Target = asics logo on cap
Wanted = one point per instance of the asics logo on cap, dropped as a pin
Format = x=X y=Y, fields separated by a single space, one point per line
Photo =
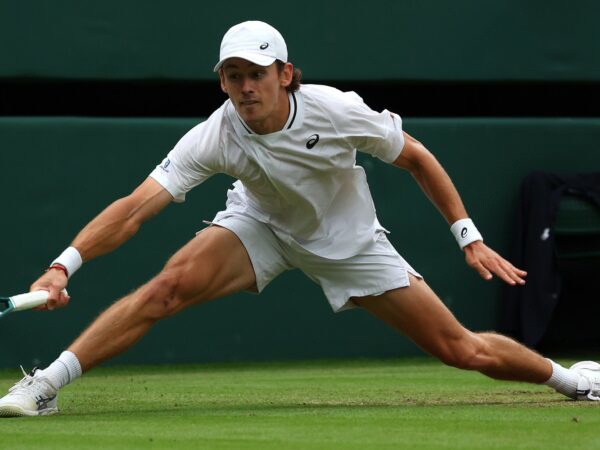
x=312 y=141
x=464 y=232
x=264 y=46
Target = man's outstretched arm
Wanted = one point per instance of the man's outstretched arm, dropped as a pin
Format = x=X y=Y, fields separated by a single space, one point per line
x=107 y=231
x=437 y=185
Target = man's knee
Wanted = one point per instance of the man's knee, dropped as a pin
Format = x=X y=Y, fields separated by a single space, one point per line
x=464 y=352
x=165 y=295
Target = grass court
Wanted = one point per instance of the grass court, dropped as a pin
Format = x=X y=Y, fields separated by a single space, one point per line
x=358 y=404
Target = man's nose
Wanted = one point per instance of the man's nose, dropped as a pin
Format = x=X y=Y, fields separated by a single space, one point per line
x=247 y=85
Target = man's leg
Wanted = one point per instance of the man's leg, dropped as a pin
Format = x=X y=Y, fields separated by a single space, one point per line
x=212 y=265
x=418 y=313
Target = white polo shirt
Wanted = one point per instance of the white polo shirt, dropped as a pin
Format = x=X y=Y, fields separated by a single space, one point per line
x=303 y=180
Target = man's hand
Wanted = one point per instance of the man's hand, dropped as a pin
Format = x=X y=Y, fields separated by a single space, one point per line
x=53 y=281
x=486 y=261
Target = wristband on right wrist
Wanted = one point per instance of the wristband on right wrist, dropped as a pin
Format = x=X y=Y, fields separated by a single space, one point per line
x=465 y=232
x=70 y=259
x=57 y=266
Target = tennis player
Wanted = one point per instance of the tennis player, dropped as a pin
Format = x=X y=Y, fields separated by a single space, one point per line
x=300 y=201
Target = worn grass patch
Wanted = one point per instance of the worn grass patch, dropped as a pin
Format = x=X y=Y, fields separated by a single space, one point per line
x=379 y=404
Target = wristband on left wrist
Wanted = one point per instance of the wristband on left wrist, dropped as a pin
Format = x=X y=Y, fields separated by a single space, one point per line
x=465 y=232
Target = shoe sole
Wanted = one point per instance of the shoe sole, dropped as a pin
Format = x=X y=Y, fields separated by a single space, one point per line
x=17 y=411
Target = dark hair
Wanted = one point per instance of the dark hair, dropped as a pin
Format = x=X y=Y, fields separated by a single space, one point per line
x=296 y=77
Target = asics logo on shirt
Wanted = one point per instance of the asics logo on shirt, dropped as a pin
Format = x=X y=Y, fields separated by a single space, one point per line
x=312 y=141
x=264 y=46
x=165 y=165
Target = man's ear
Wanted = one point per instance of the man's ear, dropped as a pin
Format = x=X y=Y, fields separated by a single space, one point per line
x=222 y=80
x=286 y=75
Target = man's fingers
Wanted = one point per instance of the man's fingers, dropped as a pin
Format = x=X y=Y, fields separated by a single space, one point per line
x=64 y=299
x=506 y=272
x=503 y=270
x=516 y=276
x=485 y=274
x=513 y=273
x=504 y=275
x=55 y=303
x=486 y=261
x=51 y=304
x=58 y=301
x=493 y=265
x=519 y=272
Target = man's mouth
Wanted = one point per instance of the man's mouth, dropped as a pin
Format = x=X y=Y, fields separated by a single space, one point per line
x=248 y=102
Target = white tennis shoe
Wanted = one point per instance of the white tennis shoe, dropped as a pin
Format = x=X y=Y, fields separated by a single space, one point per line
x=588 y=387
x=32 y=396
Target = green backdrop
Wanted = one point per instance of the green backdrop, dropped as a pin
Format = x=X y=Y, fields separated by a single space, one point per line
x=57 y=173
x=461 y=40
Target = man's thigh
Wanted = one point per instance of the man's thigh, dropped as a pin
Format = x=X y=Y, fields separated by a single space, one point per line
x=213 y=264
x=417 y=312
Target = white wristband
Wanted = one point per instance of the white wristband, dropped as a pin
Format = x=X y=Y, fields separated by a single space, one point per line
x=465 y=232
x=71 y=259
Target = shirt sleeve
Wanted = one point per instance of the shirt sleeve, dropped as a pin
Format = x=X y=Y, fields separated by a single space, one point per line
x=376 y=133
x=194 y=159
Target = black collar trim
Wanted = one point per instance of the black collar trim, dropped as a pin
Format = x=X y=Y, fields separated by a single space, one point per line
x=295 y=111
x=243 y=124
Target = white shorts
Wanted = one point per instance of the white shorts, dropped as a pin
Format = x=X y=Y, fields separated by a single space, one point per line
x=377 y=269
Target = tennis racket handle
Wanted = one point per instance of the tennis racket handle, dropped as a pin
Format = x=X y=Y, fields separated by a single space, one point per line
x=30 y=300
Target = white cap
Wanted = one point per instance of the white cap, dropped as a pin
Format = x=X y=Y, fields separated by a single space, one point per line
x=254 y=41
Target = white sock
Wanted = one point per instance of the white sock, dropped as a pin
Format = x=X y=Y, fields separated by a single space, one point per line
x=62 y=371
x=563 y=380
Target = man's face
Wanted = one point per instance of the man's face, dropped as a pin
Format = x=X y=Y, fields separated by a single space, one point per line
x=257 y=92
